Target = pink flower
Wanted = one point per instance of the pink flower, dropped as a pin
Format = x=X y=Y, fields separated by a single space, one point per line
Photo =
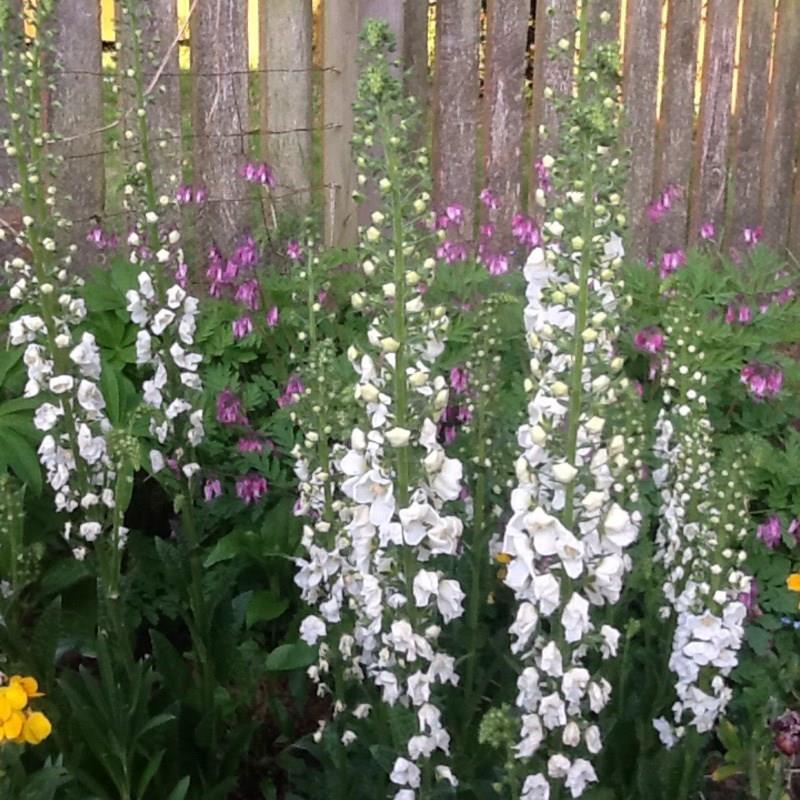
x=671 y=261
x=752 y=236
x=273 y=317
x=242 y=327
x=200 y=195
x=487 y=230
x=212 y=489
x=249 y=294
x=258 y=173
x=291 y=394
x=794 y=529
x=488 y=198
x=229 y=409
x=769 y=531
x=248 y=444
x=459 y=379
x=451 y=252
x=663 y=203
x=649 y=340
x=543 y=176
x=184 y=195
x=749 y=600
x=496 y=263
x=707 y=231
x=246 y=254
x=525 y=230
x=251 y=487
x=294 y=251
x=182 y=275
x=763 y=381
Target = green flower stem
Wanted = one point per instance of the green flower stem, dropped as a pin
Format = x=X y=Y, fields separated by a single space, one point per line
x=311 y=302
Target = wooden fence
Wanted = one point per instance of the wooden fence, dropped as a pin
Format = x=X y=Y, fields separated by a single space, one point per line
x=711 y=89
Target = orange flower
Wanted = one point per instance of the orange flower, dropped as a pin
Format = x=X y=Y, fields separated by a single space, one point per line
x=793 y=582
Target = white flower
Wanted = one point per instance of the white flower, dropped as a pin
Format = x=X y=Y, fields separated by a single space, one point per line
x=536 y=787
x=444 y=773
x=86 y=356
x=89 y=531
x=571 y=735
x=163 y=318
x=574 y=683
x=425 y=584
x=564 y=473
x=405 y=773
x=143 y=347
x=547 y=591
x=175 y=296
x=575 y=618
x=552 y=711
x=419 y=688
x=580 y=775
x=90 y=398
x=46 y=416
x=594 y=742
x=312 y=629
x=558 y=765
x=524 y=626
x=137 y=308
x=157 y=462
x=531 y=736
x=610 y=641
x=447 y=484
x=398 y=437
x=60 y=384
x=619 y=527
x=449 y=599
x=551 y=661
x=444 y=535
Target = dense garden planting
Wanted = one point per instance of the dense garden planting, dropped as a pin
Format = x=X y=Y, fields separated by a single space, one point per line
x=435 y=516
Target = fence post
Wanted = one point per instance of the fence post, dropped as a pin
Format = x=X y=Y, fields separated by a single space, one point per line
x=7 y=166
x=677 y=118
x=340 y=28
x=75 y=109
x=780 y=145
x=158 y=23
x=751 y=114
x=221 y=117
x=455 y=105
x=707 y=202
x=286 y=87
x=552 y=77
x=604 y=21
x=640 y=90
x=503 y=109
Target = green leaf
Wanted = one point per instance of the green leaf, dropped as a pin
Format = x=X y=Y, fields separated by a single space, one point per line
x=758 y=639
x=109 y=385
x=179 y=792
x=265 y=606
x=21 y=457
x=149 y=771
x=724 y=772
x=291 y=656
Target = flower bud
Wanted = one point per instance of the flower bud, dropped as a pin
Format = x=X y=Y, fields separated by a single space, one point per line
x=564 y=473
x=390 y=345
x=398 y=437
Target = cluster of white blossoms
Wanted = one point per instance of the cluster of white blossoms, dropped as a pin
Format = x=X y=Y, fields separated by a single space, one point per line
x=380 y=553
x=167 y=317
x=698 y=544
x=565 y=543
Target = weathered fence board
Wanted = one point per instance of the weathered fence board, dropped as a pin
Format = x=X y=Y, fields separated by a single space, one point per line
x=339 y=42
x=159 y=57
x=456 y=105
x=780 y=145
x=286 y=91
x=77 y=116
x=552 y=76
x=221 y=117
x=7 y=166
x=677 y=118
x=713 y=127
x=415 y=53
x=751 y=113
x=640 y=91
x=503 y=123
x=604 y=21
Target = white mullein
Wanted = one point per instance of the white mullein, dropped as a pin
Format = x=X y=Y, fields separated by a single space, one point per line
x=698 y=544
x=166 y=315
x=565 y=543
x=62 y=365
x=381 y=579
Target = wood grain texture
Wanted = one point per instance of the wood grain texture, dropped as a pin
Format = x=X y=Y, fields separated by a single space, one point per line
x=752 y=95
x=640 y=90
x=556 y=20
x=286 y=90
x=714 y=124
x=8 y=168
x=158 y=24
x=677 y=119
x=415 y=52
x=503 y=109
x=604 y=21
x=340 y=29
x=78 y=112
x=780 y=145
x=221 y=118
x=455 y=105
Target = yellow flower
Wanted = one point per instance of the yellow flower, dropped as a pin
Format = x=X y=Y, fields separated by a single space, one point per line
x=502 y=558
x=793 y=582
x=36 y=728
x=12 y=727
x=15 y=696
x=29 y=685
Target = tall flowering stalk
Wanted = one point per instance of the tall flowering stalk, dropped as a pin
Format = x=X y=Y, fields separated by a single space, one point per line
x=699 y=542
x=380 y=552
x=87 y=465
x=565 y=544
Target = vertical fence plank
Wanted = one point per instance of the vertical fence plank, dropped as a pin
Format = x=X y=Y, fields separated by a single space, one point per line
x=794 y=233
x=286 y=86
x=158 y=24
x=677 y=118
x=640 y=90
x=75 y=112
x=503 y=110
x=221 y=117
x=780 y=144
x=7 y=166
x=552 y=77
x=455 y=104
x=707 y=202
x=604 y=21
x=339 y=43
x=415 y=53
x=751 y=114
